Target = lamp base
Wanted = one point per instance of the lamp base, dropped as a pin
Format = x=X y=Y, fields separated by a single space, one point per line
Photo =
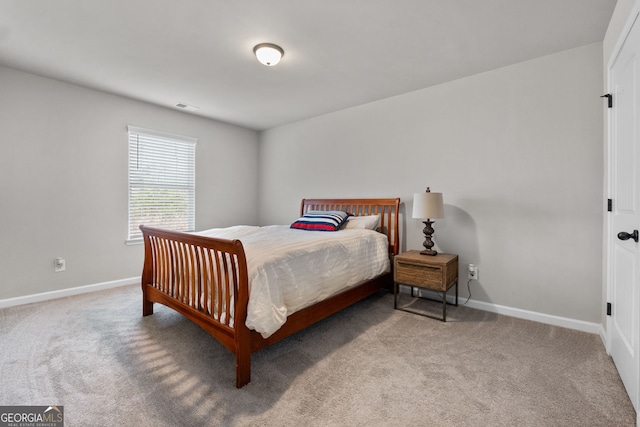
x=429 y=252
x=428 y=242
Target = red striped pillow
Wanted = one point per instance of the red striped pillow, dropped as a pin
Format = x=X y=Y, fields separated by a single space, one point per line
x=321 y=221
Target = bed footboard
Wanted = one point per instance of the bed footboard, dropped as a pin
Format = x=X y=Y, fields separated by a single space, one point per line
x=206 y=280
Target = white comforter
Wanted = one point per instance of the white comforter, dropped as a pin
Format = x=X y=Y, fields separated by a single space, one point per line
x=291 y=269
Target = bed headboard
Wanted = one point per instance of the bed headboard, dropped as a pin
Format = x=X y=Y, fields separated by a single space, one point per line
x=386 y=208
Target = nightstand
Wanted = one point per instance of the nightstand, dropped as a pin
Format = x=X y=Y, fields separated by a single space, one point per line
x=438 y=273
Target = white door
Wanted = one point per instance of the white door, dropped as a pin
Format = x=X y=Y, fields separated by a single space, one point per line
x=624 y=251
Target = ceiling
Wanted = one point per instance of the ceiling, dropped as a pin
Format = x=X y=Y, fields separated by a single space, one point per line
x=338 y=53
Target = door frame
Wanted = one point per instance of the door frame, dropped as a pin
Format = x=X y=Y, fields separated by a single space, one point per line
x=609 y=232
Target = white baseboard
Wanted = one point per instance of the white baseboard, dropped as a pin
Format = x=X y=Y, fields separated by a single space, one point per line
x=549 y=319
x=45 y=296
x=604 y=338
x=580 y=325
x=593 y=328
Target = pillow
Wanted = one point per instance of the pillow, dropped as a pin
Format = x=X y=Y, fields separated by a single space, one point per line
x=321 y=220
x=369 y=222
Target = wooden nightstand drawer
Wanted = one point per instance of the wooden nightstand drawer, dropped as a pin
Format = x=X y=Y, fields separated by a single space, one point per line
x=437 y=272
x=420 y=275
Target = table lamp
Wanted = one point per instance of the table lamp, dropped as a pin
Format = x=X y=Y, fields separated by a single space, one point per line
x=428 y=206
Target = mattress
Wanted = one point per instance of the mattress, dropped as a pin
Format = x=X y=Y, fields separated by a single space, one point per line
x=292 y=269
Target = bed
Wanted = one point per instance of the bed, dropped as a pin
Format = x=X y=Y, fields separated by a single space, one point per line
x=208 y=278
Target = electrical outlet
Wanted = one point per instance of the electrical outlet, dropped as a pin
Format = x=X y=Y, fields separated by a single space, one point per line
x=473 y=272
x=59 y=264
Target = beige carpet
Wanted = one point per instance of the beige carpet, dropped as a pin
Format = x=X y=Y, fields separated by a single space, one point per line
x=369 y=365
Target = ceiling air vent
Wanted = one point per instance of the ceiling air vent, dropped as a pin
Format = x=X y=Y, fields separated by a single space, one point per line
x=187 y=107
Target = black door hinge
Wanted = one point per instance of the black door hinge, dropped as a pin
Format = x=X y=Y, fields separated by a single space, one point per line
x=609 y=205
x=608 y=309
x=609 y=99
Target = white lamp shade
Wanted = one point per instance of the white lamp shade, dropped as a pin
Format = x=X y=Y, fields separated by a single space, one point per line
x=268 y=54
x=428 y=205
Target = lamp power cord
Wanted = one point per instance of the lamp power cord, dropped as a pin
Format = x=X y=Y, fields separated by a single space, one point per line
x=469 y=290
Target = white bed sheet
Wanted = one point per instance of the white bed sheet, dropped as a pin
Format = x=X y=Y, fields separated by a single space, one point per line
x=292 y=269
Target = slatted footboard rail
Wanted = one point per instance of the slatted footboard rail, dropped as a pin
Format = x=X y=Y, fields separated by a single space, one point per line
x=203 y=278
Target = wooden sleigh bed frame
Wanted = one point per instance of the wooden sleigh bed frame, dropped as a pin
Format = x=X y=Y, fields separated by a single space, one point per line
x=180 y=269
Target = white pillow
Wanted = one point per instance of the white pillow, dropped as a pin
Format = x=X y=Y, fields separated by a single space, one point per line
x=369 y=222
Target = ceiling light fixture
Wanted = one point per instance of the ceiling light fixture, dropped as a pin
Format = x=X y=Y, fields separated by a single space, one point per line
x=268 y=54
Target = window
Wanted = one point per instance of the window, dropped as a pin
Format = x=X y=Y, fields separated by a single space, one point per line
x=161 y=181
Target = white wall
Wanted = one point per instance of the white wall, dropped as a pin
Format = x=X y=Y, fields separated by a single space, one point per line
x=517 y=153
x=63 y=181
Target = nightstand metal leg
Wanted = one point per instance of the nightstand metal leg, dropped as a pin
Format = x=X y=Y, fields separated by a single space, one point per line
x=444 y=306
x=456 y=293
x=395 y=295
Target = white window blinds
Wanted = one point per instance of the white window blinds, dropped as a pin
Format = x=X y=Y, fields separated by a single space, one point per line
x=161 y=181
